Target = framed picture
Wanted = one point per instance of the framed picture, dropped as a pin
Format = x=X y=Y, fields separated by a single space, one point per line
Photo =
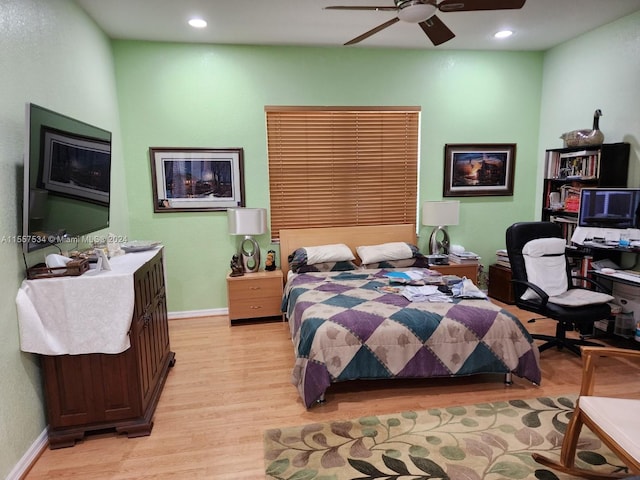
x=479 y=170
x=75 y=166
x=196 y=179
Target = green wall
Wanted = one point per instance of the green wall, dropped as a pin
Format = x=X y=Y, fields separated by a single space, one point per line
x=598 y=70
x=54 y=56
x=175 y=95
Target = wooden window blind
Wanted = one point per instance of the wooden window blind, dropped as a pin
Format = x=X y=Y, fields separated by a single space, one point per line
x=342 y=166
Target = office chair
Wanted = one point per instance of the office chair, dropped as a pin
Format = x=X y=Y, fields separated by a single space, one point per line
x=611 y=419
x=543 y=284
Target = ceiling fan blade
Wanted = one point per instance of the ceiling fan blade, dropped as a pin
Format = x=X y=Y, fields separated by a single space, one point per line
x=381 y=9
x=372 y=31
x=437 y=31
x=470 y=5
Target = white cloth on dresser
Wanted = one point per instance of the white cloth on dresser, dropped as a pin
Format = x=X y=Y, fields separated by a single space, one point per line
x=84 y=314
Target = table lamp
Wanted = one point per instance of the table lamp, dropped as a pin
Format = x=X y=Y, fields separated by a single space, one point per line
x=248 y=222
x=440 y=215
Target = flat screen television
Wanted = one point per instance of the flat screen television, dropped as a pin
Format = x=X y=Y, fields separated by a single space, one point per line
x=609 y=207
x=67 y=178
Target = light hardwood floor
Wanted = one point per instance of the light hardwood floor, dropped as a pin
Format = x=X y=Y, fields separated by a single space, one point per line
x=229 y=384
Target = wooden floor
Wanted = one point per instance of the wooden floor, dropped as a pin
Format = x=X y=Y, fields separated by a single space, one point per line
x=230 y=384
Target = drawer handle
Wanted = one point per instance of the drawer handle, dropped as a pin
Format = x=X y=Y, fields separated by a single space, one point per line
x=253 y=307
x=254 y=288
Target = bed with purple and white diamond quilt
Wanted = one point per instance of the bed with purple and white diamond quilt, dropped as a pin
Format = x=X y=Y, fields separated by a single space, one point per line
x=344 y=328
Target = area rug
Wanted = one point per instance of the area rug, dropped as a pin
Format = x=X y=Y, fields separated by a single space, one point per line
x=482 y=441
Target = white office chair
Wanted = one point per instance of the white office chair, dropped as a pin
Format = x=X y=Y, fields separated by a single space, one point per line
x=615 y=421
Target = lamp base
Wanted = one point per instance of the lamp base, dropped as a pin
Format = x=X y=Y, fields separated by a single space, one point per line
x=250 y=254
x=436 y=245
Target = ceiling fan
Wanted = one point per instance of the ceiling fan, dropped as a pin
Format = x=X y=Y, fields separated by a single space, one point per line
x=423 y=12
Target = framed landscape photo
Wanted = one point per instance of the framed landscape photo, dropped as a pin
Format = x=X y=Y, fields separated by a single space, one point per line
x=196 y=179
x=479 y=170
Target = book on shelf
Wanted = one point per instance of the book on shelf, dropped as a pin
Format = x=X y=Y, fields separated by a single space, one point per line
x=579 y=165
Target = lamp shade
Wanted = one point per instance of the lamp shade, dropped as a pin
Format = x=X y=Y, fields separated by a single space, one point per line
x=247 y=221
x=441 y=213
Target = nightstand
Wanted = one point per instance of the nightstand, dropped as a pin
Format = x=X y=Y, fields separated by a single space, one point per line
x=500 y=286
x=469 y=270
x=255 y=295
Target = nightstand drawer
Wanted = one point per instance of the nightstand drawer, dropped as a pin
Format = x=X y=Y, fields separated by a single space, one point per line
x=256 y=288
x=255 y=307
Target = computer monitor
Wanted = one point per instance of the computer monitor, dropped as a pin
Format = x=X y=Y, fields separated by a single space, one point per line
x=609 y=208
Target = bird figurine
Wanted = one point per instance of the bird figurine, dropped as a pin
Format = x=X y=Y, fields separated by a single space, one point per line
x=585 y=137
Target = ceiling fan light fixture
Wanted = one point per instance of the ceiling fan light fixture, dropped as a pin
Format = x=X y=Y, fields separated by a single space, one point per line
x=415 y=11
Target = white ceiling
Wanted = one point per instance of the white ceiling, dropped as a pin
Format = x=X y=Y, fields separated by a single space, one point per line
x=539 y=25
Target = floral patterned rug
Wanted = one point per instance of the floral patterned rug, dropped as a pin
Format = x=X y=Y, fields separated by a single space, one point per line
x=483 y=441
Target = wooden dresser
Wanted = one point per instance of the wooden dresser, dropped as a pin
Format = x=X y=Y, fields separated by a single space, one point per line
x=114 y=391
x=255 y=295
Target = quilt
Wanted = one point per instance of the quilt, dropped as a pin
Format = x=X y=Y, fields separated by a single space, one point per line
x=345 y=326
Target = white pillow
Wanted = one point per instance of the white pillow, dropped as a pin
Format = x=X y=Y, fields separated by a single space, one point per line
x=338 y=252
x=547 y=272
x=383 y=252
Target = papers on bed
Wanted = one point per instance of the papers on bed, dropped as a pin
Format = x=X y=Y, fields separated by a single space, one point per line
x=466 y=289
x=425 y=293
x=424 y=286
x=408 y=277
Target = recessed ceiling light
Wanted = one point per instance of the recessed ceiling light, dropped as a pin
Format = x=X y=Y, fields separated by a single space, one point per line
x=197 y=23
x=503 y=34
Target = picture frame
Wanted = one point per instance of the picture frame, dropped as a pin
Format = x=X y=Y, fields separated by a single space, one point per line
x=196 y=179
x=87 y=177
x=472 y=170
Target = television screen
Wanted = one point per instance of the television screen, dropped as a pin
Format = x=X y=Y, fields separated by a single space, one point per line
x=609 y=207
x=67 y=178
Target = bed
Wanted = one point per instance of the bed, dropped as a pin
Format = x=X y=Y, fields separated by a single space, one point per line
x=345 y=326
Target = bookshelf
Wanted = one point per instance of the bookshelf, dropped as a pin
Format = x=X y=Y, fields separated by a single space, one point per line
x=568 y=170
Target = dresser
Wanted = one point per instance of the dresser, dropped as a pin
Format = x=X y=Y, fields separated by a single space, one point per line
x=255 y=295
x=120 y=391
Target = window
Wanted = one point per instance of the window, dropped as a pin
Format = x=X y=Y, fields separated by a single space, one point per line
x=342 y=166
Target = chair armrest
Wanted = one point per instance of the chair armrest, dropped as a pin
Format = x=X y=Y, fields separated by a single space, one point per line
x=544 y=298
x=590 y=357
x=591 y=282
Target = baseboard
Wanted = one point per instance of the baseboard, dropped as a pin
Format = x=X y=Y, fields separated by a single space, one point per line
x=212 y=312
x=29 y=458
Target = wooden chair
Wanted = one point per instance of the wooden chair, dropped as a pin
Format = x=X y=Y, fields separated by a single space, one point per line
x=615 y=421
